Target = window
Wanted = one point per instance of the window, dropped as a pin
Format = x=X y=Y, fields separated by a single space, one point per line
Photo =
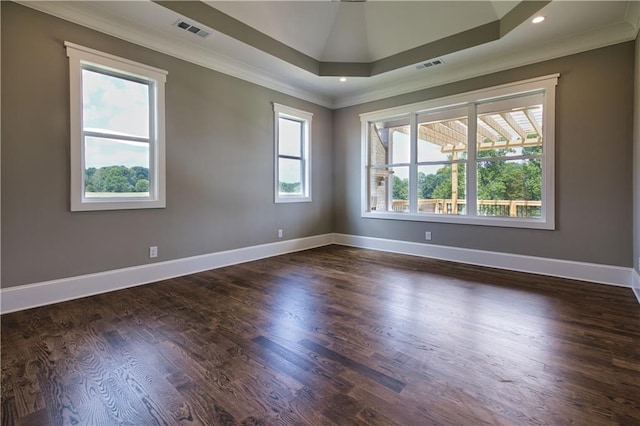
x=484 y=157
x=293 y=154
x=117 y=132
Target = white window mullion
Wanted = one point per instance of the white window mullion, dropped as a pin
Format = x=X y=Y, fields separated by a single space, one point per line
x=413 y=161
x=472 y=164
x=548 y=155
x=116 y=137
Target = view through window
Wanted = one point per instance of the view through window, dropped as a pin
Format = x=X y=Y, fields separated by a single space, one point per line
x=117 y=132
x=476 y=161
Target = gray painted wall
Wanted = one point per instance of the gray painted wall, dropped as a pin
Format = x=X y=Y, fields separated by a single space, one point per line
x=636 y=162
x=594 y=125
x=219 y=132
x=219 y=162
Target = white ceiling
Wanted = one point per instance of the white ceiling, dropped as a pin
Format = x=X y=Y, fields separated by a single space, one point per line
x=359 y=32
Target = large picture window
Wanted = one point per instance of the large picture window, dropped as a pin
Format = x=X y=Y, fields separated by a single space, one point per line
x=117 y=132
x=484 y=157
x=293 y=154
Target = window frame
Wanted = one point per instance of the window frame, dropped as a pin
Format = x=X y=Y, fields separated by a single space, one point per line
x=305 y=118
x=470 y=100
x=80 y=58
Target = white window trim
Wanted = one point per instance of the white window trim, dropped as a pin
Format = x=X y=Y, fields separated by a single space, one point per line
x=470 y=99
x=306 y=117
x=79 y=55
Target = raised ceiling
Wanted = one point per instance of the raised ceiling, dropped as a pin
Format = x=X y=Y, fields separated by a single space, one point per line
x=357 y=39
x=302 y=47
x=362 y=32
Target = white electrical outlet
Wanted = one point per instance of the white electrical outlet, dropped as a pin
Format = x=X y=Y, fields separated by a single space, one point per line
x=279 y=233
x=427 y=235
x=153 y=252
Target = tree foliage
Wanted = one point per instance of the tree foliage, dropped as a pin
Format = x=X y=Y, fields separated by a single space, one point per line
x=289 y=188
x=117 y=179
x=509 y=180
x=497 y=179
x=400 y=188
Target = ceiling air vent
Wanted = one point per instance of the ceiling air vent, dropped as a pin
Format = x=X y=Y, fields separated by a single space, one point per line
x=182 y=24
x=430 y=64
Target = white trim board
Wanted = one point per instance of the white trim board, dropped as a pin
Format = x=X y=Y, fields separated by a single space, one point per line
x=29 y=296
x=45 y=293
x=602 y=274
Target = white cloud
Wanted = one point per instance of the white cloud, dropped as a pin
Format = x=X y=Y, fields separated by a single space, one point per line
x=101 y=152
x=115 y=104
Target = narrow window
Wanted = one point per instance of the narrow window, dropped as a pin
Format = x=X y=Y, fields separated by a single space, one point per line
x=117 y=132
x=293 y=155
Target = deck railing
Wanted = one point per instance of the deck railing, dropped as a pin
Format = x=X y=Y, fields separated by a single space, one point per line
x=510 y=208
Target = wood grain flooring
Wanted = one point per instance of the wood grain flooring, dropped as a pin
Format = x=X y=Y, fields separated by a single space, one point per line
x=334 y=335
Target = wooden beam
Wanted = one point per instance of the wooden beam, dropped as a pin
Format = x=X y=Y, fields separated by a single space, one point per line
x=495 y=126
x=460 y=138
x=454 y=184
x=514 y=125
x=432 y=135
x=507 y=144
x=457 y=127
x=532 y=119
x=482 y=133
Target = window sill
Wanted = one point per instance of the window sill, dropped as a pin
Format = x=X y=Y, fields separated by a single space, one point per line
x=117 y=205
x=294 y=199
x=505 y=222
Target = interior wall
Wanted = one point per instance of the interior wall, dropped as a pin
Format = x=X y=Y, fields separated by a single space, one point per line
x=636 y=161
x=219 y=143
x=594 y=123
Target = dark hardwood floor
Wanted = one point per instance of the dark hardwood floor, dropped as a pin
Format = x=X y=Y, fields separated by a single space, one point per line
x=333 y=335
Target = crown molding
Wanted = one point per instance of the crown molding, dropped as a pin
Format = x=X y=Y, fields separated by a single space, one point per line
x=194 y=53
x=606 y=36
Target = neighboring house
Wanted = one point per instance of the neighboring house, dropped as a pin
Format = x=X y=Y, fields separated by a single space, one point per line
x=219 y=186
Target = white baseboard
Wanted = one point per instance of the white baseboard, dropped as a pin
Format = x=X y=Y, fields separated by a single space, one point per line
x=44 y=293
x=604 y=274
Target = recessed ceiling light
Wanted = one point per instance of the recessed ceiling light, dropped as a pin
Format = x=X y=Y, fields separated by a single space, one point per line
x=537 y=19
x=343 y=79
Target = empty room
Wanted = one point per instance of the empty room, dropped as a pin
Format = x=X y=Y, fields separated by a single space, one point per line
x=320 y=212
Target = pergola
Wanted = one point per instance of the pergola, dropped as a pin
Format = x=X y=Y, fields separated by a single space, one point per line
x=513 y=128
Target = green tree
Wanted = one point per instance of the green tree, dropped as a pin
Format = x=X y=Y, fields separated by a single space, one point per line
x=400 y=188
x=438 y=185
x=140 y=173
x=117 y=179
x=290 y=188
x=510 y=180
x=89 y=178
x=142 y=186
x=428 y=183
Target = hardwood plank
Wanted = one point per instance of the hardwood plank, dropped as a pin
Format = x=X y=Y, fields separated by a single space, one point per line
x=383 y=379
x=330 y=336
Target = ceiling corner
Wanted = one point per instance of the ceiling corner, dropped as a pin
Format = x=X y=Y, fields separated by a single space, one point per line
x=632 y=15
x=502 y=7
